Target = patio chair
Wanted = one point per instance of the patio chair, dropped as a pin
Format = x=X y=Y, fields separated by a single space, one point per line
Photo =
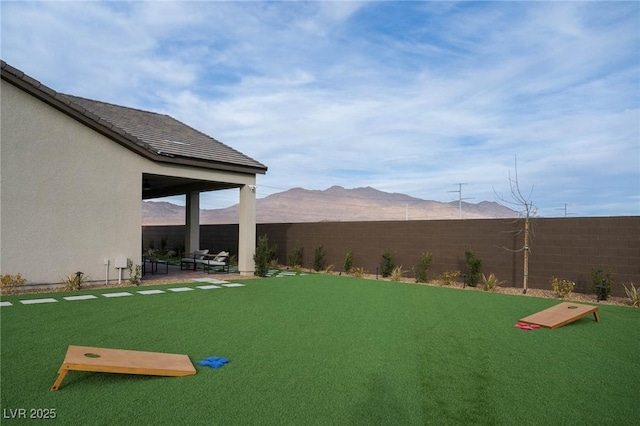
x=194 y=259
x=216 y=260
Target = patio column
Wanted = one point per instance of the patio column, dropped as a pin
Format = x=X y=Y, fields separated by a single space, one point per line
x=192 y=231
x=247 y=230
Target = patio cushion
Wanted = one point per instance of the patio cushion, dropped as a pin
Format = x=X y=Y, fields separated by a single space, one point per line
x=221 y=257
x=199 y=254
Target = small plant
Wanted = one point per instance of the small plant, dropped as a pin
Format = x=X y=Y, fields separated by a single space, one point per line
x=262 y=257
x=273 y=255
x=74 y=282
x=358 y=272
x=632 y=294
x=319 y=260
x=295 y=258
x=135 y=272
x=475 y=268
x=10 y=283
x=561 y=287
x=448 y=277
x=490 y=282
x=601 y=278
x=397 y=273
x=422 y=270
x=179 y=249
x=388 y=263
x=163 y=244
x=329 y=269
x=348 y=262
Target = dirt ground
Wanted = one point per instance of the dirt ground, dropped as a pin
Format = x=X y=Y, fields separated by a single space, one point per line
x=516 y=291
x=534 y=292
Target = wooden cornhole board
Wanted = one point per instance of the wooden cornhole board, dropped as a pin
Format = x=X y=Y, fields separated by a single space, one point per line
x=562 y=314
x=87 y=358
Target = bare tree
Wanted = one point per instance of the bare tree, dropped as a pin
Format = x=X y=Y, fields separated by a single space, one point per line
x=521 y=203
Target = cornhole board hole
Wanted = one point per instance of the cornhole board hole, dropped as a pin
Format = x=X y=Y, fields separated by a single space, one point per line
x=562 y=314
x=103 y=360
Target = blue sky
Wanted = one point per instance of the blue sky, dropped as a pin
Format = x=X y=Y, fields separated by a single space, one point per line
x=409 y=97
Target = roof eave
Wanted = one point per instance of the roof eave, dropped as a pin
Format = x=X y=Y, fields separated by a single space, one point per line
x=66 y=106
x=214 y=165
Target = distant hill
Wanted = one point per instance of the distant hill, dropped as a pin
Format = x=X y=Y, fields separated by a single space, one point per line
x=335 y=204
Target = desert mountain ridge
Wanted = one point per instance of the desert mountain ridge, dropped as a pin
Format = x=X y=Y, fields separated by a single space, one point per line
x=335 y=204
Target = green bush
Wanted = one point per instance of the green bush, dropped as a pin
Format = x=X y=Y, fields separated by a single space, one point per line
x=632 y=294
x=262 y=257
x=135 y=272
x=561 y=287
x=599 y=276
x=163 y=244
x=358 y=272
x=388 y=263
x=397 y=273
x=10 y=283
x=474 y=264
x=448 y=277
x=422 y=270
x=348 y=262
x=75 y=281
x=490 y=282
x=319 y=259
x=295 y=257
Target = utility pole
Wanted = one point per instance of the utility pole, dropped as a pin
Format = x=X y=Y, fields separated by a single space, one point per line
x=459 y=191
x=565 y=209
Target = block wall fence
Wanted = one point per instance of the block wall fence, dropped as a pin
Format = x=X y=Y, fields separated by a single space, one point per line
x=567 y=248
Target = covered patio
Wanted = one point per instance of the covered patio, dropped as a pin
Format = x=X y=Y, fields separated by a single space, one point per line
x=159 y=186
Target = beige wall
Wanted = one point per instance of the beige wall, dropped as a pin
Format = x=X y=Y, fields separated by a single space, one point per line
x=70 y=197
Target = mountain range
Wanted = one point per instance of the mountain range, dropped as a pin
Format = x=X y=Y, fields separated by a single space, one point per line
x=335 y=204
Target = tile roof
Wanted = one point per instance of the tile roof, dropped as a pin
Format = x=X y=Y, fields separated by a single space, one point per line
x=157 y=136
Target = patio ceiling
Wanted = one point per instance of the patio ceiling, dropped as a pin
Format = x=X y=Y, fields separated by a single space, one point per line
x=157 y=186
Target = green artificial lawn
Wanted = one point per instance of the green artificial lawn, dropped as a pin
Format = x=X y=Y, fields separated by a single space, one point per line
x=321 y=349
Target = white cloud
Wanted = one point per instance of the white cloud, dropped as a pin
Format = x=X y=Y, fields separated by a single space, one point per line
x=403 y=96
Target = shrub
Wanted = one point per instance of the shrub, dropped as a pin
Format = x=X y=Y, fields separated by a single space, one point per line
x=10 y=283
x=422 y=270
x=319 y=259
x=632 y=294
x=475 y=268
x=490 y=282
x=179 y=249
x=262 y=257
x=388 y=263
x=397 y=273
x=598 y=277
x=561 y=287
x=163 y=244
x=295 y=258
x=348 y=262
x=135 y=272
x=74 y=282
x=448 y=277
x=358 y=272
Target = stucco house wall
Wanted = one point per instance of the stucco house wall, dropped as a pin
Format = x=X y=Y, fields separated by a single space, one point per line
x=62 y=185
